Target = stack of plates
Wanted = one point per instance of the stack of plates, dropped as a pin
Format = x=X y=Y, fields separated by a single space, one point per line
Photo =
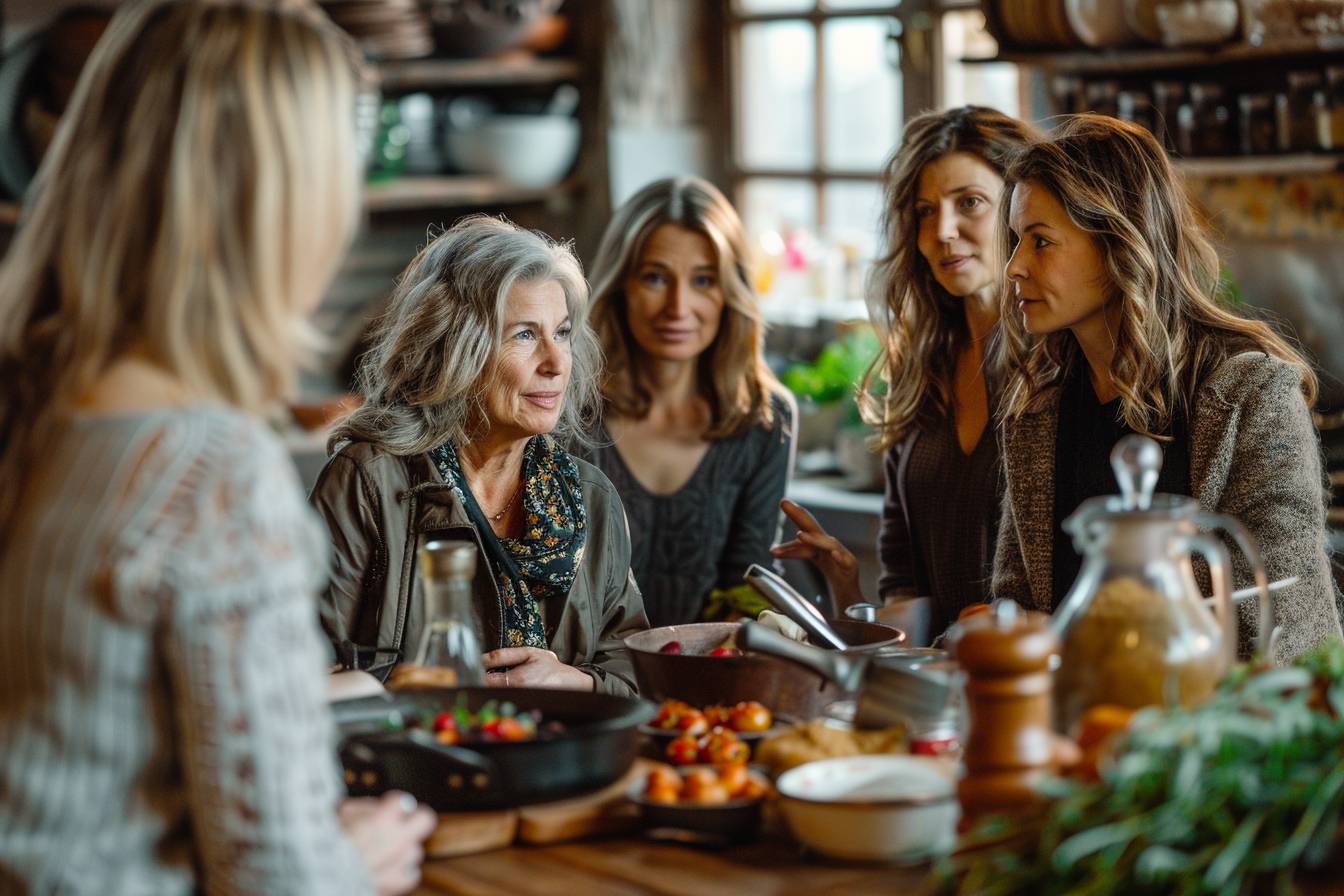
x=385 y=29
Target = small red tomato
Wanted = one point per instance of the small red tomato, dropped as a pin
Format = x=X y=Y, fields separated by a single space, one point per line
x=718 y=715
x=670 y=647
x=685 y=750
x=725 y=651
x=693 y=722
x=490 y=729
x=443 y=721
x=750 y=716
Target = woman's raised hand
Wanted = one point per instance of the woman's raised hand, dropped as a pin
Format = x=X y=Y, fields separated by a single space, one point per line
x=532 y=667
x=835 y=561
x=387 y=832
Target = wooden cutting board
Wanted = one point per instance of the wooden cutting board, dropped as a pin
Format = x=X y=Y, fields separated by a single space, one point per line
x=601 y=813
x=597 y=814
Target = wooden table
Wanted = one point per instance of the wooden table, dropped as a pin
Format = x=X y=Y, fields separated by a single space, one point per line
x=638 y=867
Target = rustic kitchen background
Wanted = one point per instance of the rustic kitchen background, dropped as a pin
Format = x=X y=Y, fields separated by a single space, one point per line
x=553 y=112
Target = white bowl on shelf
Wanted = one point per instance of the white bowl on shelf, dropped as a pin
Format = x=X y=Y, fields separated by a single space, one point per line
x=873 y=808
x=524 y=150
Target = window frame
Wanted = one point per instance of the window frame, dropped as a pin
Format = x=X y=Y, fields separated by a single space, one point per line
x=918 y=31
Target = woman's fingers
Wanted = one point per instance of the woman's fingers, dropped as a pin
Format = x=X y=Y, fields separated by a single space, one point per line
x=506 y=656
x=794 y=549
x=805 y=521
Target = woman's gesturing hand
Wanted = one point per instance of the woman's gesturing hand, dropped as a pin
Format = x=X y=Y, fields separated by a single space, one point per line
x=387 y=832
x=835 y=561
x=532 y=667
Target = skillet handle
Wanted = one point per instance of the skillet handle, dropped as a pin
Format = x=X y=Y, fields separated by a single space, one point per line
x=833 y=666
x=413 y=761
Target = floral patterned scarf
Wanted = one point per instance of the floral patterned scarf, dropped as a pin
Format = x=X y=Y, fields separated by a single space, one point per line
x=542 y=563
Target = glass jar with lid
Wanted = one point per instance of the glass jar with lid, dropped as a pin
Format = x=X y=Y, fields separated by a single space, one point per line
x=1293 y=112
x=1167 y=99
x=1212 y=122
x=1134 y=629
x=1257 y=131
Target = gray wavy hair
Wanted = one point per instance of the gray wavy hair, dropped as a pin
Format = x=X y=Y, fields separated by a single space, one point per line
x=425 y=378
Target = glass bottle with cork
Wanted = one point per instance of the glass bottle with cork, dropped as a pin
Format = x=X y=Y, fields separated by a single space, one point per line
x=449 y=651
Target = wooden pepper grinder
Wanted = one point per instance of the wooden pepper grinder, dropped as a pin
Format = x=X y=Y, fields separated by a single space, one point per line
x=1007 y=657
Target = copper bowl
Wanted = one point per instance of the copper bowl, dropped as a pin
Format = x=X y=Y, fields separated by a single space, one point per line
x=788 y=689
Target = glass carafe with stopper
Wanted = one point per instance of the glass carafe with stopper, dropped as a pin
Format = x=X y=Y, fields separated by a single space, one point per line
x=449 y=651
x=1134 y=629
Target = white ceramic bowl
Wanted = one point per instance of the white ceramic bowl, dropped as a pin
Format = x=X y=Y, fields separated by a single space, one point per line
x=526 y=150
x=873 y=808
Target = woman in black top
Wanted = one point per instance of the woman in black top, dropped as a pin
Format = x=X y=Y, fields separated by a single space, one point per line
x=934 y=298
x=698 y=434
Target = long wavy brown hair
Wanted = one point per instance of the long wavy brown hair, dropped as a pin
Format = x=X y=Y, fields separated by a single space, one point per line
x=733 y=376
x=1117 y=184
x=200 y=190
x=921 y=326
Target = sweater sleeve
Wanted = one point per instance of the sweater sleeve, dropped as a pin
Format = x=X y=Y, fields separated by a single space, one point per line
x=1009 y=579
x=245 y=663
x=1276 y=488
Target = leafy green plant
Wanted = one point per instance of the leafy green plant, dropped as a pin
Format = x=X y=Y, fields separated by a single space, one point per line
x=837 y=372
x=1235 y=794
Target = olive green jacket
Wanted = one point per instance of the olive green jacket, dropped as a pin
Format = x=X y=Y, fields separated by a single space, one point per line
x=1254 y=455
x=380 y=508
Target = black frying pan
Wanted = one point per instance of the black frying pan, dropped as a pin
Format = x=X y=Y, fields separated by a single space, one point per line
x=598 y=745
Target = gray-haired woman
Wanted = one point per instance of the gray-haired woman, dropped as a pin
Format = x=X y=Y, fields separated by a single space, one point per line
x=483 y=363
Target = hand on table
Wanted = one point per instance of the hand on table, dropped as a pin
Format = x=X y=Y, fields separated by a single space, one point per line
x=387 y=832
x=835 y=561
x=532 y=667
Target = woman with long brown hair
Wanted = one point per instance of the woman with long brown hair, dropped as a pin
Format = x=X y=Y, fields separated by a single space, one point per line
x=931 y=392
x=698 y=433
x=1114 y=322
x=163 y=717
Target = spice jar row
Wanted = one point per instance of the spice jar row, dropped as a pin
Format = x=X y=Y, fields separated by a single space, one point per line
x=1204 y=118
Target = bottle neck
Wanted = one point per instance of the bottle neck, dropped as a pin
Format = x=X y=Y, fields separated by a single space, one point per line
x=448 y=600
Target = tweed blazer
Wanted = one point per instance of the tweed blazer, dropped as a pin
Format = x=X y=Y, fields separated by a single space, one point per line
x=1254 y=454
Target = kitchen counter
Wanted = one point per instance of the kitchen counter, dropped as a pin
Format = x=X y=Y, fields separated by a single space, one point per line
x=640 y=866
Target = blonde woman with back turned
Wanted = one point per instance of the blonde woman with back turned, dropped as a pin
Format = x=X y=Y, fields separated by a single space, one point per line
x=163 y=724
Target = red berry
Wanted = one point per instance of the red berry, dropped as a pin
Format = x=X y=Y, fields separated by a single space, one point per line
x=670 y=647
x=725 y=651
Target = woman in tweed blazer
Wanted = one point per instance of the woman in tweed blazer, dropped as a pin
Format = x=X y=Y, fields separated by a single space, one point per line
x=1115 y=290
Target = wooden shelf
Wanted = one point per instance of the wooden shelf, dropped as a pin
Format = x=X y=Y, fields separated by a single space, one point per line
x=1139 y=59
x=1269 y=166
x=455 y=191
x=429 y=74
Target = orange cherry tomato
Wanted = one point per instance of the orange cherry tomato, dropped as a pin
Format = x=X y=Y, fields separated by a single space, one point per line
x=734 y=778
x=750 y=716
x=722 y=747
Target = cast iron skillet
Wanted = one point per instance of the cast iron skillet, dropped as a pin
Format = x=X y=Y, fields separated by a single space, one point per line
x=597 y=747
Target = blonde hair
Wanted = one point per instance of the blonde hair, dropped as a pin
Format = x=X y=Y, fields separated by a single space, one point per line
x=1117 y=184
x=733 y=376
x=425 y=378
x=921 y=326
x=201 y=185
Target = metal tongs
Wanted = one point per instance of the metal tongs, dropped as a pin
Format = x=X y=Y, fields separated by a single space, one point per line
x=793 y=605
